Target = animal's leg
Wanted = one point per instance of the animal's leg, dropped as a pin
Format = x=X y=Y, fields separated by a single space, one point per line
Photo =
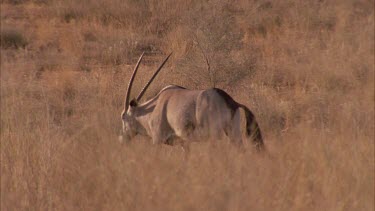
x=234 y=130
x=170 y=141
x=186 y=148
x=216 y=129
x=156 y=139
x=184 y=142
x=186 y=134
x=159 y=131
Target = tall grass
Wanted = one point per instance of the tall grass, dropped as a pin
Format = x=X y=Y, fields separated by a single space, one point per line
x=306 y=69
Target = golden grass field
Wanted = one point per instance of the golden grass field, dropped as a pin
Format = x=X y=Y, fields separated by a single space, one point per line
x=305 y=68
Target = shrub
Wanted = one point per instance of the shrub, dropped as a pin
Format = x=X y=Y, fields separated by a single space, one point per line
x=12 y=39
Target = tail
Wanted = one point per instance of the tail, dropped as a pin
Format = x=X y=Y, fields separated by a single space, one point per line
x=252 y=129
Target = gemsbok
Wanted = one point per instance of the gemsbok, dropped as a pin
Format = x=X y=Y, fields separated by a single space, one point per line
x=188 y=115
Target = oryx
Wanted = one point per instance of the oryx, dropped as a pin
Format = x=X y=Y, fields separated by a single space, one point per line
x=189 y=115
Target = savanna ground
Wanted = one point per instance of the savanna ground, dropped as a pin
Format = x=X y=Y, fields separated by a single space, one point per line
x=305 y=68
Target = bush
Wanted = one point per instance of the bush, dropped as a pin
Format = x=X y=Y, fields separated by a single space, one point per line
x=12 y=39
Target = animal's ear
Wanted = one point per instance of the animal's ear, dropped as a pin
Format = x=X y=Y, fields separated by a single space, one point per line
x=133 y=103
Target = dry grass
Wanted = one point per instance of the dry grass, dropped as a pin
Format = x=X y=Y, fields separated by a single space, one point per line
x=306 y=69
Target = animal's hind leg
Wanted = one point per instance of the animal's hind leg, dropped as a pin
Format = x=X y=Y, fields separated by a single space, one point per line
x=184 y=142
x=170 y=141
x=234 y=130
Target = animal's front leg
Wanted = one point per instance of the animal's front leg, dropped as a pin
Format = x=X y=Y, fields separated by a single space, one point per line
x=160 y=131
x=157 y=138
x=158 y=135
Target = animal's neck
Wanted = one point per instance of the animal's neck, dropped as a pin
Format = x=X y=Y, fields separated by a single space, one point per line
x=143 y=113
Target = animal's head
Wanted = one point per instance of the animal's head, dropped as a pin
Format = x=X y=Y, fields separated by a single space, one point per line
x=130 y=124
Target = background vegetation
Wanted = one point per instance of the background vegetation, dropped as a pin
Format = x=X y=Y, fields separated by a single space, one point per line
x=305 y=68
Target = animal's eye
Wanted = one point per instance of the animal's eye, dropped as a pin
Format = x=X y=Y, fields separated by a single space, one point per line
x=133 y=103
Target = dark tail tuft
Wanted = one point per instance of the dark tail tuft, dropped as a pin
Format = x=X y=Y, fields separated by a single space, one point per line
x=252 y=129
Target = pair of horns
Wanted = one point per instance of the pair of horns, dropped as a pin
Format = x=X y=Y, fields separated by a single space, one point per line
x=127 y=96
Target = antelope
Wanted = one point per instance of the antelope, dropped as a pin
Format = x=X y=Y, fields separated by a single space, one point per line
x=188 y=115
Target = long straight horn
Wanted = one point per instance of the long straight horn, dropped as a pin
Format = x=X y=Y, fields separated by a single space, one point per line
x=127 y=96
x=152 y=78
